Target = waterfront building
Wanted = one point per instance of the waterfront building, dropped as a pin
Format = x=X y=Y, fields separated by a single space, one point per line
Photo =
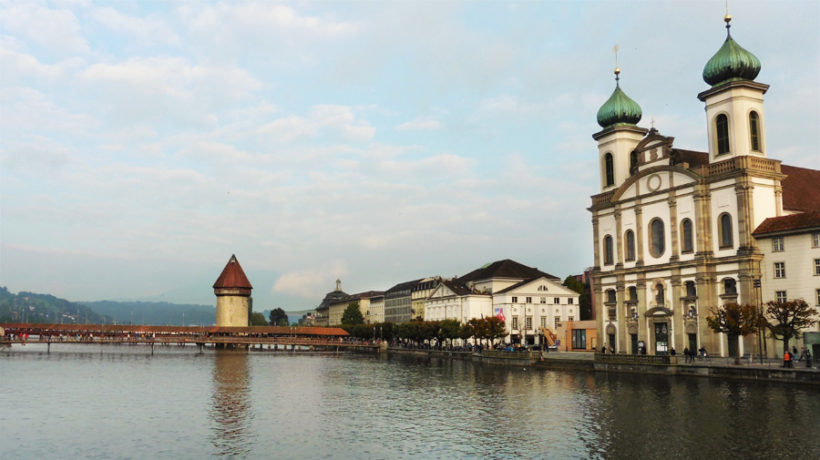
x=533 y=305
x=674 y=229
x=337 y=307
x=322 y=317
x=419 y=294
x=398 y=302
x=233 y=295
x=526 y=298
x=375 y=311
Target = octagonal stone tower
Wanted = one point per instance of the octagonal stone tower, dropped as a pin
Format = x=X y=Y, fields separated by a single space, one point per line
x=233 y=292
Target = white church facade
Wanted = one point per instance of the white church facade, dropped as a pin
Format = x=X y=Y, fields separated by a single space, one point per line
x=674 y=230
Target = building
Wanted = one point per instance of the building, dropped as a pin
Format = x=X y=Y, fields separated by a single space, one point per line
x=674 y=230
x=375 y=311
x=398 y=304
x=322 y=317
x=233 y=295
x=525 y=297
x=419 y=294
x=791 y=270
x=338 y=306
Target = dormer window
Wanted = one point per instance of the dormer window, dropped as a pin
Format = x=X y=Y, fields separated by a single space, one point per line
x=609 y=169
x=754 y=131
x=722 y=131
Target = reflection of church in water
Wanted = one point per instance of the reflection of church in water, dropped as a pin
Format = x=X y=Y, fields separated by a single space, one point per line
x=678 y=232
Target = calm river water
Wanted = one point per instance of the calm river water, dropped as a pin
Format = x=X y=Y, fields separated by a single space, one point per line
x=121 y=402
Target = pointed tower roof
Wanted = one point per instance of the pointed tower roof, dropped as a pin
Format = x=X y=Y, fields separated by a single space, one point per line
x=732 y=62
x=619 y=108
x=232 y=277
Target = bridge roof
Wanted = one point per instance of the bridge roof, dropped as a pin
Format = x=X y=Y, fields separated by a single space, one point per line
x=123 y=328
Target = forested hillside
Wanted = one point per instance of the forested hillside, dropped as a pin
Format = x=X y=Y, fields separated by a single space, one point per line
x=44 y=308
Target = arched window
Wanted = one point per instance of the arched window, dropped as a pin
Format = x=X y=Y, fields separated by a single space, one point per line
x=608 y=250
x=610 y=296
x=610 y=169
x=633 y=294
x=629 y=242
x=722 y=131
x=729 y=286
x=686 y=236
x=691 y=291
x=754 y=130
x=660 y=296
x=657 y=238
x=633 y=162
x=725 y=223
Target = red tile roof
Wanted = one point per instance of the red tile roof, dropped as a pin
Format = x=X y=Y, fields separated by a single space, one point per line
x=233 y=276
x=788 y=224
x=801 y=189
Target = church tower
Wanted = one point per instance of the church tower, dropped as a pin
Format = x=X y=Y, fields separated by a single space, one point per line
x=734 y=104
x=233 y=292
x=618 y=117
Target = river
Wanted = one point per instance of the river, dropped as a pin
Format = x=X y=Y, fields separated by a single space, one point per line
x=88 y=401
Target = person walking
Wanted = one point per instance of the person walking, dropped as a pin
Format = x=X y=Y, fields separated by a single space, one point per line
x=787 y=358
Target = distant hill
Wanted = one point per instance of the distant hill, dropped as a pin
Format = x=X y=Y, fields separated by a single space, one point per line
x=155 y=313
x=44 y=308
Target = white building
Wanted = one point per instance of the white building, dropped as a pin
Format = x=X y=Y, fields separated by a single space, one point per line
x=673 y=229
x=533 y=304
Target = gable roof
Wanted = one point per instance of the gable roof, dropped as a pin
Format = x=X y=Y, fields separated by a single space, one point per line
x=457 y=287
x=792 y=223
x=504 y=269
x=232 y=276
x=801 y=188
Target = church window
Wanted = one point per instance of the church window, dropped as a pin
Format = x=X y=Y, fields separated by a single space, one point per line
x=725 y=221
x=691 y=291
x=657 y=238
x=722 y=130
x=659 y=295
x=686 y=236
x=754 y=131
x=633 y=162
x=610 y=296
x=608 y=250
x=730 y=286
x=633 y=294
x=629 y=240
x=609 y=169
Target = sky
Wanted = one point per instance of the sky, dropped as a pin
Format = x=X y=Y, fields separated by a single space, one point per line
x=144 y=143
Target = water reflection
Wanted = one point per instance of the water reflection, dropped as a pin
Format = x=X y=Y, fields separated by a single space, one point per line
x=231 y=412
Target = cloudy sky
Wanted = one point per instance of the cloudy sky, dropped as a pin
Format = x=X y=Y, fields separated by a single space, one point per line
x=143 y=143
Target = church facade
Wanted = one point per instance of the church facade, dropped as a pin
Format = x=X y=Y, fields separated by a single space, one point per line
x=674 y=229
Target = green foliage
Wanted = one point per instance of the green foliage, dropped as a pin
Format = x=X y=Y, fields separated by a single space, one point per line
x=352 y=315
x=585 y=302
x=572 y=282
x=786 y=319
x=258 y=319
x=278 y=317
x=43 y=308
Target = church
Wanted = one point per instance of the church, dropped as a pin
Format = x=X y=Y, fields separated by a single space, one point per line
x=679 y=232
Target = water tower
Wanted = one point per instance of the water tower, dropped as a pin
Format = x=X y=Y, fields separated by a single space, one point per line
x=233 y=292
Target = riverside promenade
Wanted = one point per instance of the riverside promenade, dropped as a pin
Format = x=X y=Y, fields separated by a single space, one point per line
x=714 y=367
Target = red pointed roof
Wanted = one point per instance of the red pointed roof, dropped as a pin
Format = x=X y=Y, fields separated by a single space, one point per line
x=233 y=276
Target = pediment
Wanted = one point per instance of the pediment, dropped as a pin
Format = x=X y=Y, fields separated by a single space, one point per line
x=654 y=180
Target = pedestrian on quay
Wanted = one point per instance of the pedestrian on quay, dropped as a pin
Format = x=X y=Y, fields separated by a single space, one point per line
x=672 y=351
x=787 y=358
x=686 y=354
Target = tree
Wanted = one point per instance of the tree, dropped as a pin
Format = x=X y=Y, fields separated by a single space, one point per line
x=735 y=321
x=258 y=319
x=448 y=330
x=585 y=305
x=352 y=315
x=494 y=329
x=278 y=317
x=786 y=319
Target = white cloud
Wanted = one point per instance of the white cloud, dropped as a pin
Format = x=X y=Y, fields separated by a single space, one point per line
x=149 y=29
x=56 y=30
x=309 y=282
x=419 y=124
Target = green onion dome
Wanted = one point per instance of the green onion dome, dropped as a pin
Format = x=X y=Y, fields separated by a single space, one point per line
x=619 y=108
x=731 y=62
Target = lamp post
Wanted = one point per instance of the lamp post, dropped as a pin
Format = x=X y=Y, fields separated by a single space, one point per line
x=760 y=335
